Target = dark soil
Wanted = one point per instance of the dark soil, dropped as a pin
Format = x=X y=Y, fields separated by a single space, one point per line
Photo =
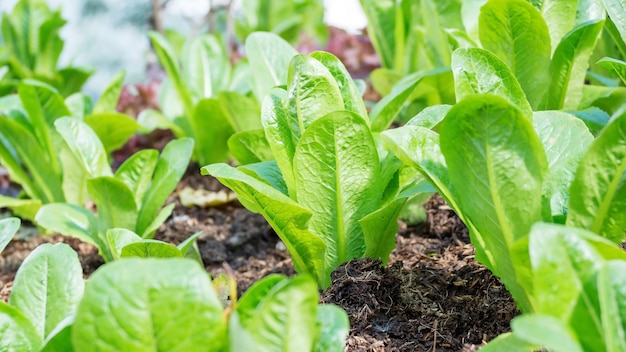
x=432 y=296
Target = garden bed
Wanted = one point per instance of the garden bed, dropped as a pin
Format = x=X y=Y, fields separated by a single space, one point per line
x=432 y=296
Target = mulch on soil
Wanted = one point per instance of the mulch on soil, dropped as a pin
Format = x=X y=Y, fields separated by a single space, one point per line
x=432 y=296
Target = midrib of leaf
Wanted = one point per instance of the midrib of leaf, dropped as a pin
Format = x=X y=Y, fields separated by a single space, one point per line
x=506 y=231
x=606 y=201
x=299 y=109
x=341 y=237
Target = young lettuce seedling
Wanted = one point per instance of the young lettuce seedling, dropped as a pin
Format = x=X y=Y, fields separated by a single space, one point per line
x=47 y=289
x=31 y=47
x=328 y=194
x=159 y=304
x=207 y=99
x=37 y=157
x=130 y=199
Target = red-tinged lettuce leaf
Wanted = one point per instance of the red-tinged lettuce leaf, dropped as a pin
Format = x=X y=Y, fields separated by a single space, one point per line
x=497 y=166
x=287 y=218
x=598 y=191
x=150 y=304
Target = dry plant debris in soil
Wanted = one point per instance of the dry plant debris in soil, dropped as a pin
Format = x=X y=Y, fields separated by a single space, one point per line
x=432 y=296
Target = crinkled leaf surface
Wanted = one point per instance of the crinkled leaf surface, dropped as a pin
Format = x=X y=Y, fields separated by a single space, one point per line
x=478 y=71
x=515 y=32
x=313 y=92
x=496 y=167
x=48 y=286
x=280 y=135
x=565 y=140
x=349 y=92
x=150 y=305
x=598 y=191
x=287 y=218
x=336 y=168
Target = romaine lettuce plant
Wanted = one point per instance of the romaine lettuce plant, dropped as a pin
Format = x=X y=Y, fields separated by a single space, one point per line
x=159 y=304
x=131 y=198
x=37 y=157
x=205 y=97
x=503 y=170
x=580 y=285
x=328 y=193
x=31 y=49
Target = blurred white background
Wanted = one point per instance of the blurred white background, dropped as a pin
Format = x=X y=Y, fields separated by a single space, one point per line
x=110 y=35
